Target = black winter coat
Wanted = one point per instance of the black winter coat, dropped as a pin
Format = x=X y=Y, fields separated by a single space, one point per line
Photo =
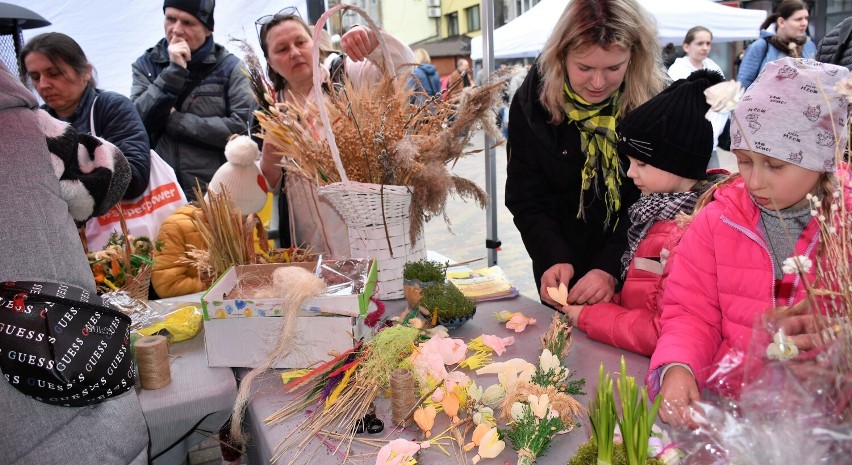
x=543 y=192
x=835 y=46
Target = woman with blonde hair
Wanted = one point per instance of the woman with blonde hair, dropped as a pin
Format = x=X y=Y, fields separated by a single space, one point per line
x=566 y=184
x=428 y=80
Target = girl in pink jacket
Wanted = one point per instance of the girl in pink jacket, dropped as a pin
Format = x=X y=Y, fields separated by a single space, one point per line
x=669 y=143
x=787 y=132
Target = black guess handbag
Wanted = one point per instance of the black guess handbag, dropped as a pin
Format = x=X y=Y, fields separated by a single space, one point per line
x=62 y=345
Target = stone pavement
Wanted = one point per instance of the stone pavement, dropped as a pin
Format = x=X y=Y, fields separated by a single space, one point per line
x=467 y=239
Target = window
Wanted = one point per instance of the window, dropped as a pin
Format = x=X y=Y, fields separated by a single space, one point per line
x=472 y=15
x=453 y=24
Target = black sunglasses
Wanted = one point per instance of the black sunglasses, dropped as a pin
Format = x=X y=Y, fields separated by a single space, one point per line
x=289 y=11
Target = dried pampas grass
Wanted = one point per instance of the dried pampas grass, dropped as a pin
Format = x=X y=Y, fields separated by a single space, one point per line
x=386 y=133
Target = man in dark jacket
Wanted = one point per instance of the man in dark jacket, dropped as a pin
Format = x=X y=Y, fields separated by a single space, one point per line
x=191 y=93
x=834 y=47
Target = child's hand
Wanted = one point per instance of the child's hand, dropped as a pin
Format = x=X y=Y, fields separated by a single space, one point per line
x=556 y=274
x=573 y=313
x=679 y=390
x=596 y=286
x=803 y=330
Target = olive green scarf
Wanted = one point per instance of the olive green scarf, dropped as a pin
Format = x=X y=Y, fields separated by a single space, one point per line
x=598 y=138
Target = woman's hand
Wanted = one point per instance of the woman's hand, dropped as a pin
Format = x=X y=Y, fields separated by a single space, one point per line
x=679 y=391
x=270 y=161
x=596 y=286
x=555 y=275
x=358 y=42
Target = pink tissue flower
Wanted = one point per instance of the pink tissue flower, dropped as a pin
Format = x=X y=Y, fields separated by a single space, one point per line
x=452 y=351
x=499 y=344
x=519 y=322
x=397 y=452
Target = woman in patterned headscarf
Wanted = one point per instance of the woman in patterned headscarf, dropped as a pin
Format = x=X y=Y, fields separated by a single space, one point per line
x=566 y=184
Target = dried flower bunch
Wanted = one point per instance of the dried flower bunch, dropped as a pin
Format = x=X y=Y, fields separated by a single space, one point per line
x=386 y=133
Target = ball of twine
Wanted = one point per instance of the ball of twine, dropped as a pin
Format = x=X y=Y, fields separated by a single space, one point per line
x=403 y=396
x=152 y=357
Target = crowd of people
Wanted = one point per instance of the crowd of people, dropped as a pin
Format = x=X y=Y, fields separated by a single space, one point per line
x=610 y=178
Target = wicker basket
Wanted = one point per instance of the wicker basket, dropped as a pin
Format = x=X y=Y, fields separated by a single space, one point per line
x=379 y=227
x=377 y=215
x=137 y=285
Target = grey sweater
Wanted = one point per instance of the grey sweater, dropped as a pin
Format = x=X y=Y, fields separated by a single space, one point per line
x=38 y=241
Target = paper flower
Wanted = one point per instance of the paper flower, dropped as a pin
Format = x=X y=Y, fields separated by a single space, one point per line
x=510 y=372
x=782 y=348
x=519 y=322
x=490 y=446
x=493 y=395
x=425 y=419
x=476 y=437
x=503 y=316
x=517 y=411
x=540 y=405
x=484 y=415
x=559 y=294
x=797 y=264
x=844 y=88
x=451 y=351
x=429 y=364
x=499 y=344
x=723 y=97
x=450 y=404
x=456 y=378
x=548 y=361
x=397 y=452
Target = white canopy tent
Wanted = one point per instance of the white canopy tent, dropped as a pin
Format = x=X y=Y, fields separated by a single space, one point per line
x=114 y=33
x=524 y=36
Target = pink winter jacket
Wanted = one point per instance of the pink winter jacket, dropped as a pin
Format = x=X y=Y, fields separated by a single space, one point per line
x=631 y=320
x=721 y=282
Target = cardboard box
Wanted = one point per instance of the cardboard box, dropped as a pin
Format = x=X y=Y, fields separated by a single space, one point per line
x=246 y=342
x=217 y=305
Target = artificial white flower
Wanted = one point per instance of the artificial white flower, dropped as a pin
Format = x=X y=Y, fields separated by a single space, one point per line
x=485 y=415
x=797 y=264
x=540 y=405
x=493 y=395
x=844 y=87
x=517 y=411
x=723 y=97
x=547 y=361
x=782 y=348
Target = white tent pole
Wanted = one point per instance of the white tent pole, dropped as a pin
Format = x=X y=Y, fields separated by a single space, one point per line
x=491 y=240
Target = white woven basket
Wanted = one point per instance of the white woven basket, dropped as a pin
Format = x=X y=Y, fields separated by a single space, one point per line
x=379 y=226
x=377 y=215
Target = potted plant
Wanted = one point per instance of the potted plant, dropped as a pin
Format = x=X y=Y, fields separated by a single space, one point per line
x=445 y=305
x=421 y=274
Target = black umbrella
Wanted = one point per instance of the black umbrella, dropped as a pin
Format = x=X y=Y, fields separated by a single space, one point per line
x=14 y=18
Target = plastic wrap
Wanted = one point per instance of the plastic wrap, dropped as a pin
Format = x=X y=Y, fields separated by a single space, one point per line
x=140 y=312
x=793 y=409
x=345 y=276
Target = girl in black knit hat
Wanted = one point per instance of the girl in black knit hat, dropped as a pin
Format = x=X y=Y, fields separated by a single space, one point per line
x=669 y=142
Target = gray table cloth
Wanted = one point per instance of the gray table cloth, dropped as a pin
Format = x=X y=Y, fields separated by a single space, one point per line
x=198 y=399
x=584 y=359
